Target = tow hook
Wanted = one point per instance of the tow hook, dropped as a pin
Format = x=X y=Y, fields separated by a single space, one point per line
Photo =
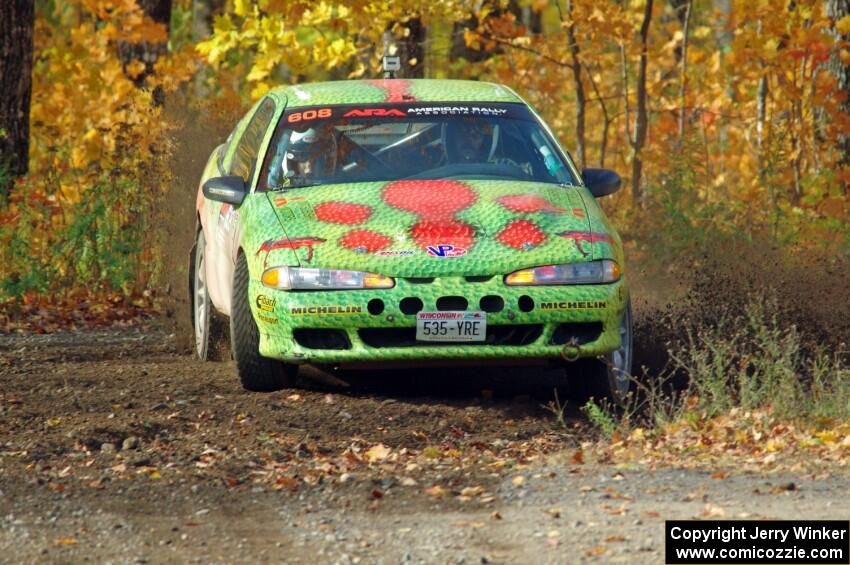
x=571 y=350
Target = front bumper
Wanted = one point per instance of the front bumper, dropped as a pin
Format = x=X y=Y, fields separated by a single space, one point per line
x=347 y=326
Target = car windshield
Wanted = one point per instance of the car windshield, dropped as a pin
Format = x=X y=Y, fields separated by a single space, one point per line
x=361 y=143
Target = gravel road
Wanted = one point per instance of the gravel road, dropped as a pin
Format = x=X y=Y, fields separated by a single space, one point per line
x=116 y=446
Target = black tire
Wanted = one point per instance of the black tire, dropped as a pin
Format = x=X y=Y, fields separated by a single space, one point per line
x=209 y=328
x=607 y=378
x=257 y=373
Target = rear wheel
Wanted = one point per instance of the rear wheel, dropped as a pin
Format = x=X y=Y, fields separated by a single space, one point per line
x=256 y=372
x=609 y=376
x=209 y=327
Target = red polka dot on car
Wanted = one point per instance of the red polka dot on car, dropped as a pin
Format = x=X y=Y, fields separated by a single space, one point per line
x=343 y=213
x=521 y=234
x=395 y=90
x=528 y=203
x=365 y=241
x=430 y=232
x=430 y=199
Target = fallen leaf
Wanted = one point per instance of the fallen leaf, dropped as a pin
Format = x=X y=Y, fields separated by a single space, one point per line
x=288 y=483
x=65 y=541
x=719 y=475
x=713 y=511
x=553 y=512
x=377 y=453
x=468 y=523
x=494 y=515
x=518 y=480
x=471 y=491
x=377 y=493
x=436 y=491
x=294 y=397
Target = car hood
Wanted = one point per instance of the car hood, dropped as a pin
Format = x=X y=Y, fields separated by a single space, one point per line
x=427 y=228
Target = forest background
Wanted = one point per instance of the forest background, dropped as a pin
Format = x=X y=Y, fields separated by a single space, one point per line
x=728 y=120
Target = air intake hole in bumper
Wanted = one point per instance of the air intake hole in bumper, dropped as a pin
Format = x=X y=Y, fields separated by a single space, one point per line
x=321 y=338
x=445 y=303
x=375 y=306
x=576 y=332
x=491 y=303
x=410 y=305
x=525 y=303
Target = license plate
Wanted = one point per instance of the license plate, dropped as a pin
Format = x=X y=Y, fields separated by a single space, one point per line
x=451 y=326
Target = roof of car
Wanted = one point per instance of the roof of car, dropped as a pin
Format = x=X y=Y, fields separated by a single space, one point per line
x=394 y=90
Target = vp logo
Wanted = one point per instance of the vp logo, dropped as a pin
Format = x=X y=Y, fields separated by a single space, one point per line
x=444 y=250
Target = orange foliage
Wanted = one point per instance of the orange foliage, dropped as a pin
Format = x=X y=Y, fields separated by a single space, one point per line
x=793 y=172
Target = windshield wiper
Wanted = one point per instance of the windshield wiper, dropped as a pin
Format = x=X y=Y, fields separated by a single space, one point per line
x=283 y=188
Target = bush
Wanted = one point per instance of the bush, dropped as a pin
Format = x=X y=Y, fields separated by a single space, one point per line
x=751 y=361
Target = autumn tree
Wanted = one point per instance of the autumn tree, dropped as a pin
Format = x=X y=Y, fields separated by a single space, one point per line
x=412 y=48
x=578 y=85
x=839 y=65
x=16 y=27
x=148 y=51
x=641 y=121
x=202 y=17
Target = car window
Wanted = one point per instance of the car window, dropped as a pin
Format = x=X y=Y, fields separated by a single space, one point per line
x=222 y=150
x=359 y=143
x=245 y=154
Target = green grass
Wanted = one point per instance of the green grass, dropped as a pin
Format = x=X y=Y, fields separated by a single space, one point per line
x=749 y=361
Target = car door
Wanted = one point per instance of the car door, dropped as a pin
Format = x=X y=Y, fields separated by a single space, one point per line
x=240 y=159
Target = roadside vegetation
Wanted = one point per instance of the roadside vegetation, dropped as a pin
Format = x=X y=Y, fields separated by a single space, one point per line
x=727 y=120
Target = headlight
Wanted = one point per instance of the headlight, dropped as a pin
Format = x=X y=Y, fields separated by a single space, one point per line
x=590 y=272
x=295 y=278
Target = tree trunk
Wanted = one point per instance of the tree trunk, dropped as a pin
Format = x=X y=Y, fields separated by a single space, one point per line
x=580 y=102
x=603 y=144
x=685 y=19
x=640 y=103
x=837 y=9
x=146 y=52
x=16 y=25
x=412 y=49
x=202 y=17
x=532 y=19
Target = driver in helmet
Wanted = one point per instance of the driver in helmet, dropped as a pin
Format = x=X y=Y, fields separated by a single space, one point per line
x=468 y=141
x=310 y=155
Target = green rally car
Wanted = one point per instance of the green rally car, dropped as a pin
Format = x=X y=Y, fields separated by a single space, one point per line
x=414 y=221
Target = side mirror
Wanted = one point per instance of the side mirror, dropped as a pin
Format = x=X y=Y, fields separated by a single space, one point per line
x=229 y=189
x=601 y=182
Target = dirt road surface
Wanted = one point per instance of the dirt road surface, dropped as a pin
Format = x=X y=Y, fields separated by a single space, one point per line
x=117 y=447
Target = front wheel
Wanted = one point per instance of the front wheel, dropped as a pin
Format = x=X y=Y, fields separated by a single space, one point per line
x=256 y=372
x=609 y=376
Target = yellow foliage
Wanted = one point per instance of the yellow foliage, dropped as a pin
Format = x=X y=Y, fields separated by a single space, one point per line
x=92 y=127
